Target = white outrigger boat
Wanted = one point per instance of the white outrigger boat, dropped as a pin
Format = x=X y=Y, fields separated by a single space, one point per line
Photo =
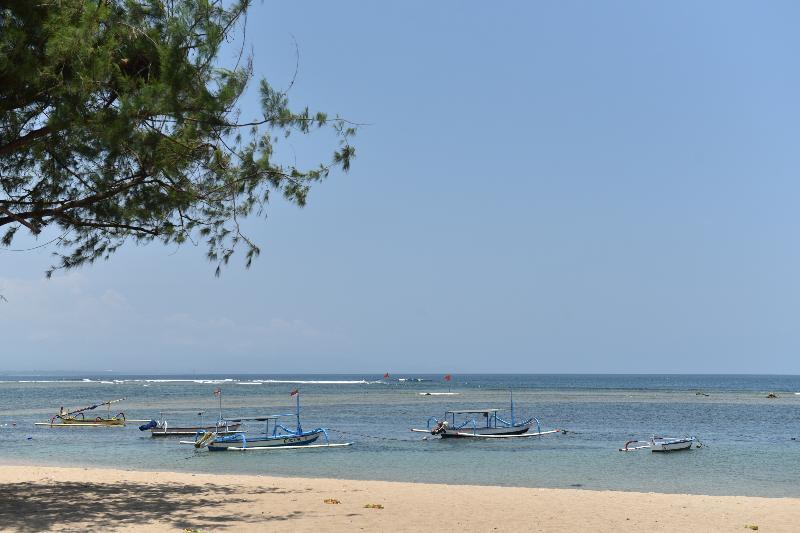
x=162 y=428
x=276 y=436
x=490 y=426
x=661 y=444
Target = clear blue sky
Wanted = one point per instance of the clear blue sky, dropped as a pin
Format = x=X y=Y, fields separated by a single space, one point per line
x=545 y=187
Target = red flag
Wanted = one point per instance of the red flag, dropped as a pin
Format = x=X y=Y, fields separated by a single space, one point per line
x=448 y=377
x=386 y=376
x=295 y=391
x=217 y=391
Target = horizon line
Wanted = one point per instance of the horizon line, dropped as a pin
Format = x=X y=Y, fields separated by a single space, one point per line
x=380 y=373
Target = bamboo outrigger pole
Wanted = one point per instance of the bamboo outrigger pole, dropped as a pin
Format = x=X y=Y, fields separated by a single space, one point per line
x=108 y=403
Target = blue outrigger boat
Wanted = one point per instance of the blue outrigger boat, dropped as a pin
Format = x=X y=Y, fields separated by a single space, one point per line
x=491 y=425
x=275 y=436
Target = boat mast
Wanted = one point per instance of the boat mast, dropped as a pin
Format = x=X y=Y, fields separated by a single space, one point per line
x=512 y=406
x=299 y=429
x=218 y=394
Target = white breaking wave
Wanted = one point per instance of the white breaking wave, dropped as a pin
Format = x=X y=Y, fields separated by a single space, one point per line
x=202 y=381
x=215 y=381
x=47 y=381
x=320 y=381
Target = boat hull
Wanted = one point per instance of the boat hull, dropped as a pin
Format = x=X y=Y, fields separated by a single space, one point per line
x=193 y=430
x=91 y=422
x=465 y=433
x=671 y=445
x=77 y=425
x=266 y=442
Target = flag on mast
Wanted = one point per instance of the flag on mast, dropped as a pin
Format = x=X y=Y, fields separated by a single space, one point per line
x=386 y=376
x=448 y=377
x=217 y=391
x=294 y=393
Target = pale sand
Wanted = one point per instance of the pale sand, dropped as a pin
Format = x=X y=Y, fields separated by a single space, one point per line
x=39 y=498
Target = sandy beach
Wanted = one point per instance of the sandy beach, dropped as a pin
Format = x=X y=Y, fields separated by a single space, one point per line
x=42 y=498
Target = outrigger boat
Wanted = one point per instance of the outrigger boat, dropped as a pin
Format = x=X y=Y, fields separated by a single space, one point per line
x=491 y=426
x=77 y=418
x=661 y=444
x=161 y=428
x=280 y=437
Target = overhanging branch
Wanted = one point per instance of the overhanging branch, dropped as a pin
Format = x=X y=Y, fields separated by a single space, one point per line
x=21 y=142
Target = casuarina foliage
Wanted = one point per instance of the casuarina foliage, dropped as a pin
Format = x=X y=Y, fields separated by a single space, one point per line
x=119 y=123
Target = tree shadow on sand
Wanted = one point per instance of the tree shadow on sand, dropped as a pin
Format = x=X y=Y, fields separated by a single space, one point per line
x=27 y=507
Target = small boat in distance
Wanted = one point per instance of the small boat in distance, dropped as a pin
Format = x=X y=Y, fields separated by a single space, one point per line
x=487 y=424
x=661 y=444
x=447 y=378
x=77 y=418
x=275 y=436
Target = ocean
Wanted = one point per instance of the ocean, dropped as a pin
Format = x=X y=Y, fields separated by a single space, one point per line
x=751 y=443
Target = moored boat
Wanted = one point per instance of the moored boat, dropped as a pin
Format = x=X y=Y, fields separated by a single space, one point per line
x=116 y=420
x=77 y=418
x=275 y=435
x=241 y=440
x=162 y=428
x=486 y=423
x=671 y=444
x=482 y=423
x=661 y=444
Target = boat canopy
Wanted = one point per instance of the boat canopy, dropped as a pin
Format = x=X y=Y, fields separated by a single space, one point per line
x=471 y=411
x=259 y=418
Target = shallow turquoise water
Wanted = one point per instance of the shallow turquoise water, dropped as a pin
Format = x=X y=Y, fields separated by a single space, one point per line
x=748 y=439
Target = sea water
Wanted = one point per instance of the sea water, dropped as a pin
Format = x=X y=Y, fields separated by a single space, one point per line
x=751 y=443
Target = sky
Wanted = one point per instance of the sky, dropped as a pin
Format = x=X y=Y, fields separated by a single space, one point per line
x=542 y=187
